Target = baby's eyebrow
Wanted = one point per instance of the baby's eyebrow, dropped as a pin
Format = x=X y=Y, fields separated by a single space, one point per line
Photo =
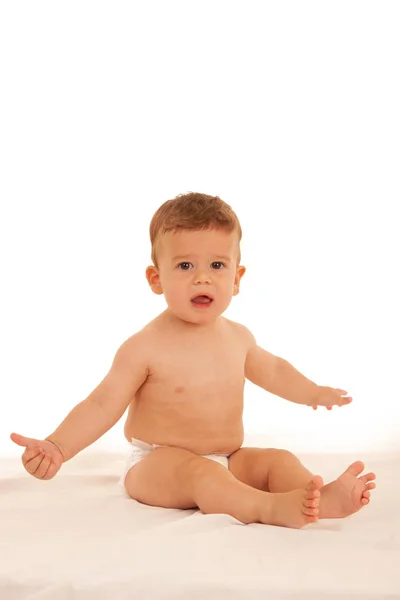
x=191 y=256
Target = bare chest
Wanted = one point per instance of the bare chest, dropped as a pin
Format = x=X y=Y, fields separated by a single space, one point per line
x=190 y=372
x=194 y=391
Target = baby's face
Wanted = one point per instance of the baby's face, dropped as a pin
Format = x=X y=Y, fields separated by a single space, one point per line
x=197 y=262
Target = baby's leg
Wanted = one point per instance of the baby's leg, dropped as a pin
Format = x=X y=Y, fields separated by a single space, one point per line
x=281 y=471
x=176 y=478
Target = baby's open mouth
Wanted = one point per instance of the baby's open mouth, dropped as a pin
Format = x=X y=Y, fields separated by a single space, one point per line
x=201 y=299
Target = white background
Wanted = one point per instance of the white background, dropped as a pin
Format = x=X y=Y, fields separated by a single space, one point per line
x=289 y=111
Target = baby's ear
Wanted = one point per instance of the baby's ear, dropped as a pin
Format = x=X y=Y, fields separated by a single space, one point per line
x=153 y=279
x=240 y=271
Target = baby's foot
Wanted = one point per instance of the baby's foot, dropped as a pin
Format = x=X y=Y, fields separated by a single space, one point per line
x=296 y=508
x=347 y=494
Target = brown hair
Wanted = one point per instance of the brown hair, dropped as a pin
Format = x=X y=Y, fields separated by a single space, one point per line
x=193 y=211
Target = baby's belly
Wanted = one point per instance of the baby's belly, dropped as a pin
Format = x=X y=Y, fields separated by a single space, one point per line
x=196 y=431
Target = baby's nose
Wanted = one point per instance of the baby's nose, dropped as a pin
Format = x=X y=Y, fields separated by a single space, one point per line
x=203 y=276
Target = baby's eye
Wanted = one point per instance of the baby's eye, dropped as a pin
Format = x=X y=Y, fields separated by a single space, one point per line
x=218 y=263
x=184 y=263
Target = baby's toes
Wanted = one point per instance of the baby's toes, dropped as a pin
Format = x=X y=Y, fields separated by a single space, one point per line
x=367 y=477
x=311 y=503
x=370 y=486
x=365 y=497
x=311 y=512
x=313 y=487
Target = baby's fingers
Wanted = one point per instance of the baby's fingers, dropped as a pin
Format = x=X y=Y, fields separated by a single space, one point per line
x=51 y=471
x=346 y=400
x=21 y=440
x=32 y=464
x=344 y=397
x=44 y=466
x=29 y=454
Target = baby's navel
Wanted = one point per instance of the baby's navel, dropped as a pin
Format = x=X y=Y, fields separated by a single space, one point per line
x=179 y=389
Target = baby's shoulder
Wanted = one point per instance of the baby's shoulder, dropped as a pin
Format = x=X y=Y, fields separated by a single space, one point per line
x=148 y=334
x=241 y=332
x=139 y=342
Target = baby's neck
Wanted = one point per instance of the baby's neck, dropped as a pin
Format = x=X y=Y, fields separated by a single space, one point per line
x=179 y=325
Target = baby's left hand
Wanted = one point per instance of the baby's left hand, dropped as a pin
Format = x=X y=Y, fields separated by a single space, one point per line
x=329 y=397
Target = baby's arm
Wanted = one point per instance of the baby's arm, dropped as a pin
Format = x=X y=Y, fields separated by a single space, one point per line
x=95 y=415
x=103 y=408
x=277 y=376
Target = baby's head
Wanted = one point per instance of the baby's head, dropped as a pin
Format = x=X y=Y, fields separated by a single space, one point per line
x=195 y=249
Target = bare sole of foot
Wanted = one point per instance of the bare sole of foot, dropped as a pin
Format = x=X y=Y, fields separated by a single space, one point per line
x=347 y=494
x=297 y=508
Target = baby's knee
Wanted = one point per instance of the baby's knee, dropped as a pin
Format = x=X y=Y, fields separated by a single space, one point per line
x=284 y=456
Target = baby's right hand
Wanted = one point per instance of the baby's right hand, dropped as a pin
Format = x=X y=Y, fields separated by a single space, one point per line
x=41 y=458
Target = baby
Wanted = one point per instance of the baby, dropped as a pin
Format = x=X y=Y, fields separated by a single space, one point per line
x=182 y=377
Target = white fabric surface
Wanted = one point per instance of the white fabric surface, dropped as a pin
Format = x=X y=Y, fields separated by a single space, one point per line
x=78 y=536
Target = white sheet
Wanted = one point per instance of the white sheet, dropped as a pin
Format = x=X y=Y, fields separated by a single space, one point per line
x=79 y=537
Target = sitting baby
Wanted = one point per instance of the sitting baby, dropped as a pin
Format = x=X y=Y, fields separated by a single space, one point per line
x=182 y=377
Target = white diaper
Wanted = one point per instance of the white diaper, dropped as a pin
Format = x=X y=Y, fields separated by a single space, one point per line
x=141 y=449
